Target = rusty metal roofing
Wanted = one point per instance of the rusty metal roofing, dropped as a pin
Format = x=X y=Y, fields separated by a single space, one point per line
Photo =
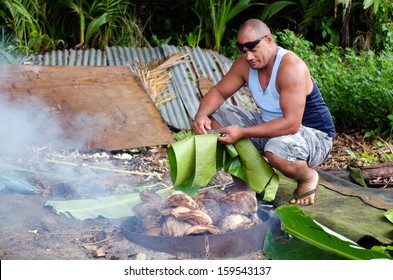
x=189 y=80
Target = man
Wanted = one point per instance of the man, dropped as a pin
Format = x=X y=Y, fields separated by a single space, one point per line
x=294 y=128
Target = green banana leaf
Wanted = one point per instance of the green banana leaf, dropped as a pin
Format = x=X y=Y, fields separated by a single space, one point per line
x=292 y=248
x=179 y=160
x=311 y=240
x=195 y=160
x=258 y=173
x=15 y=184
x=356 y=175
x=389 y=215
x=384 y=249
x=110 y=207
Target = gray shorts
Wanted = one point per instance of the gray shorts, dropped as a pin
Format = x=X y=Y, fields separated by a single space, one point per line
x=308 y=144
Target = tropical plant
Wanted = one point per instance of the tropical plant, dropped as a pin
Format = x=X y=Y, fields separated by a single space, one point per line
x=215 y=15
x=365 y=24
x=40 y=25
x=306 y=239
x=379 y=16
x=103 y=22
x=356 y=86
x=7 y=51
x=110 y=207
x=25 y=20
x=302 y=15
x=194 y=37
x=121 y=27
x=195 y=159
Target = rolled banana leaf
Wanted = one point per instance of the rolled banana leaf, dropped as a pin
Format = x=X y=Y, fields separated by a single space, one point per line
x=195 y=160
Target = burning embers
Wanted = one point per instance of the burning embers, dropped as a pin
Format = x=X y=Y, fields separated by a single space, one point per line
x=211 y=211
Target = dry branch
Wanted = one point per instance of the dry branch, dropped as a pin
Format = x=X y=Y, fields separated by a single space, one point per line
x=154 y=78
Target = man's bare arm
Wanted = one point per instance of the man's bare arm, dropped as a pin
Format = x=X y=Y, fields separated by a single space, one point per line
x=216 y=96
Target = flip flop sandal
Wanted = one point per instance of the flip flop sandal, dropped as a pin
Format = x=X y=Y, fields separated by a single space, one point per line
x=296 y=196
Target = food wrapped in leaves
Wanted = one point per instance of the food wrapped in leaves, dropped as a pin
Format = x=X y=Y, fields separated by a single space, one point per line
x=234 y=222
x=173 y=227
x=179 y=198
x=212 y=208
x=150 y=196
x=243 y=202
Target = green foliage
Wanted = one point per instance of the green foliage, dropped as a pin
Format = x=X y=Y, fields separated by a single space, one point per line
x=308 y=239
x=230 y=49
x=110 y=207
x=310 y=17
x=390 y=117
x=358 y=89
x=161 y=41
x=8 y=52
x=365 y=159
x=41 y=25
x=215 y=15
x=26 y=21
x=195 y=159
x=378 y=18
x=101 y=23
x=389 y=215
x=384 y=249
x=37 y=25
x=363 y=24
x=383 y=26
x=356 y=86
x=191 y=39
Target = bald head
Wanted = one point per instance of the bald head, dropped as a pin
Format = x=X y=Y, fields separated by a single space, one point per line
x=255 y=25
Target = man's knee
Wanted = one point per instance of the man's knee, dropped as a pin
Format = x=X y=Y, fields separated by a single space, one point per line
x=275 y=161
x=288 y=168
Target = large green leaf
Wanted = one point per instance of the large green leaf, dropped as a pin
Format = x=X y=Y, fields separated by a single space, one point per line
x=15 y=184
x=206 y=157
x=258 y=173
x=292 y=248
x=304 y=230
x=389 y=215
x=194 y=161
x=110 y=207
x=94 y=26
x=180 y=160
x=274 y=8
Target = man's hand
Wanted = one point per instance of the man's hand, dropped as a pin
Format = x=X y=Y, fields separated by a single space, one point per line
x=201 y=125
x=230 y=134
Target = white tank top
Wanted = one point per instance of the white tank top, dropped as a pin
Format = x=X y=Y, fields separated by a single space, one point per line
x=269 y=100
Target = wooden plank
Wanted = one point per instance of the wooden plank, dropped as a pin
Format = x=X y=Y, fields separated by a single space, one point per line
x=104 y=102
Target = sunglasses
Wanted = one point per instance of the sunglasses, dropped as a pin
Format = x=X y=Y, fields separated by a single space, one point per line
x=250 y=45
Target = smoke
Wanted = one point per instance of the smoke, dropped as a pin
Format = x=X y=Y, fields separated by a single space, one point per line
x=26 y=124
x=28 y=127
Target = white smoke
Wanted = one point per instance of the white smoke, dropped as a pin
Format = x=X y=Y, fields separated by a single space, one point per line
x=25 y=124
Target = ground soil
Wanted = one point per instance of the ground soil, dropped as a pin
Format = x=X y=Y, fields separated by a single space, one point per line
x=31 y=231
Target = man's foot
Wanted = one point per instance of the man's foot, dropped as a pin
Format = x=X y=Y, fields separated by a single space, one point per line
x=305 y=193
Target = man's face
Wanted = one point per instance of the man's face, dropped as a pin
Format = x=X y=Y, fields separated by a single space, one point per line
x=253 y=49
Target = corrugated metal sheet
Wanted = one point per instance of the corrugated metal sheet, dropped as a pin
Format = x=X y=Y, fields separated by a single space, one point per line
x=178 y=112
x=71 y=58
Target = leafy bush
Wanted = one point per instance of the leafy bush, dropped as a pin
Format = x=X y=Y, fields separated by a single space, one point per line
x=357 y=87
